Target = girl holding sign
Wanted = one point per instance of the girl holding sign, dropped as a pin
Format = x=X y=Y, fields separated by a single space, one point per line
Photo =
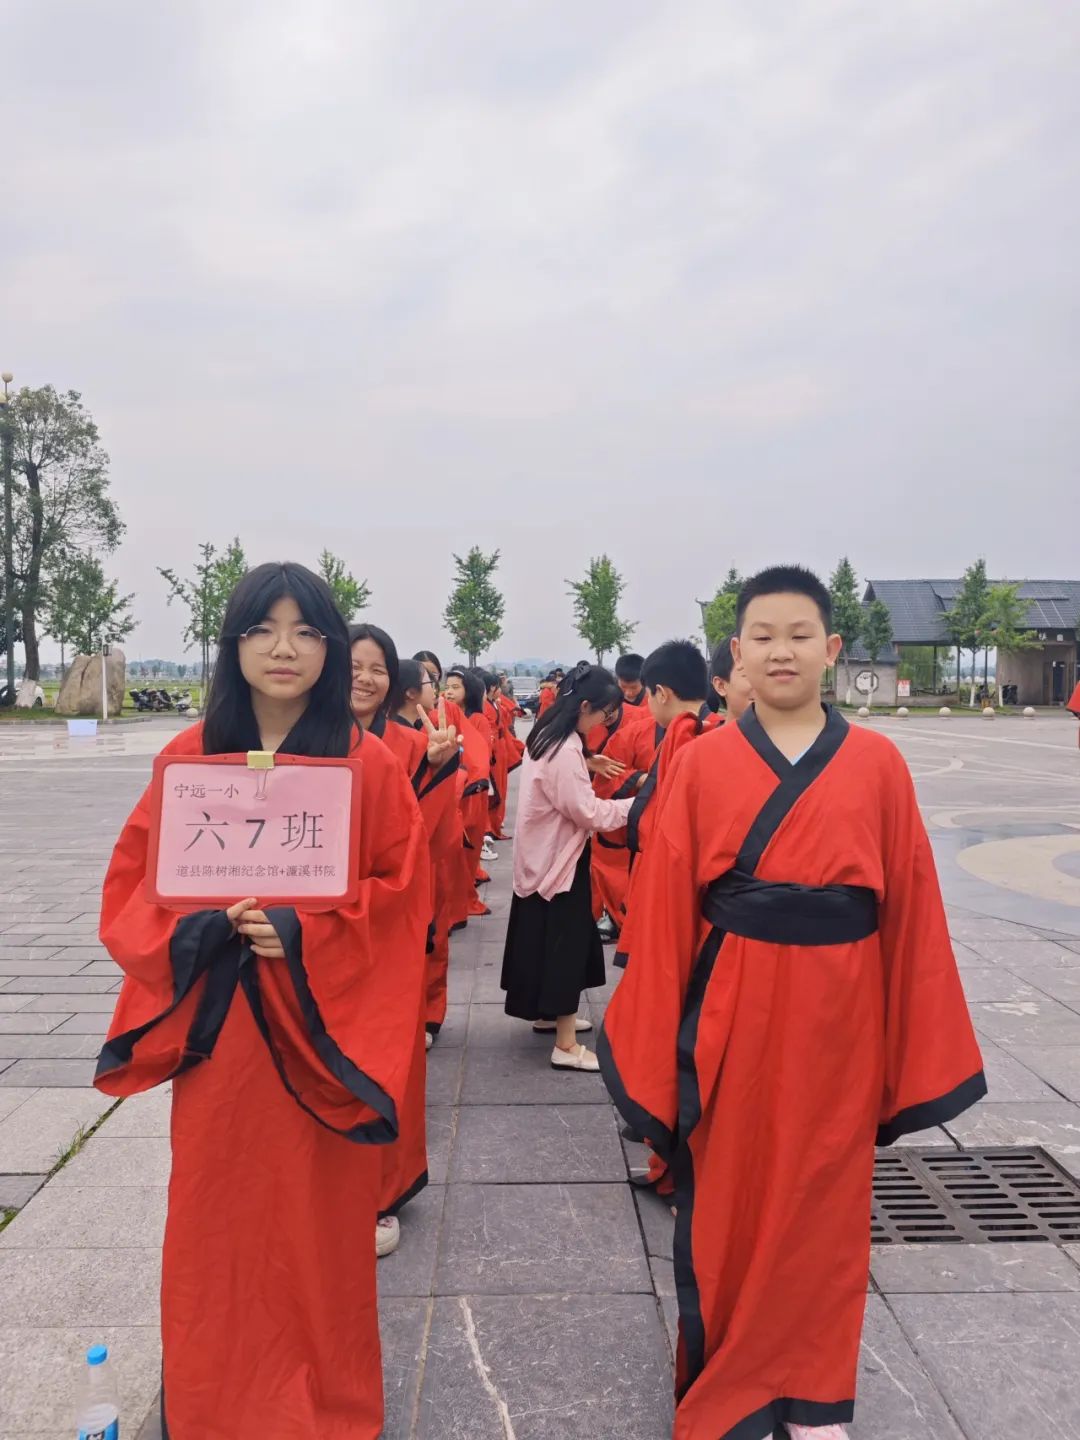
x=289 y=1042
x=429 y=757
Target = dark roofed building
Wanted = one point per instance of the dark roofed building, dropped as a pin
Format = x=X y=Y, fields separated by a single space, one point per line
x=1043 y=676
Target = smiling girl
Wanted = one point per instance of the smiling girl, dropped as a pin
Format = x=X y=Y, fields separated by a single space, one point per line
x=289 y=1041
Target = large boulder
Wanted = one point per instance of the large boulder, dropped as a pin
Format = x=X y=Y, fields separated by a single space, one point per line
x=80 y=694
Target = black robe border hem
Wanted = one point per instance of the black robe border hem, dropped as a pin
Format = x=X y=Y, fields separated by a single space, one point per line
x=933 y=1112
x=636 y=1116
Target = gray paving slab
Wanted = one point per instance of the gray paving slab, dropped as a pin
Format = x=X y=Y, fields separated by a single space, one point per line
x=1037 y=1020
x=19 y=965
x=534 y=1144
x=1017 y=956
x=410 y=1270
x=41 y=1367
x=403 y=1331
x=524 y=1239
x=454 y=1028
x=441 y=1135
x=60 y=985
x=1008 y=1079
x=140 y=1117
x=71 y=1003
x=10 y=1100
x=31 y=954
x=1058 y=1065
x=36 y=1134
x=23 y=1022
x=444 y=1069
x=896 y=1398
x=971 y=1269
x=525 y=1077
x=17 y=1190
x=994 y=983
x=997 y=1388
x=49 y=1047
x=122 y=1162
x=10 y=1004
x=44 y=1288
x=657 y=1223
x=490 y=1028
x=543 y=1368
x=90 y=1217
x=1063 y=985
x=86 y=1023
x=47 y=1073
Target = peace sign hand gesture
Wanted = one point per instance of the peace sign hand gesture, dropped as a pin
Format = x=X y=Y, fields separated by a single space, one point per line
x=442 y=739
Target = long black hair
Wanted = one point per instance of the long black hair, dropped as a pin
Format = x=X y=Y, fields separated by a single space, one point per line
x=411 y=676
x=588 y=684
x=475 y=694
x=327 y=727
x=389 y=649
x=431 y=658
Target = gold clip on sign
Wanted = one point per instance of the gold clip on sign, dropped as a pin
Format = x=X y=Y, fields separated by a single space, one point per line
x=263 y=762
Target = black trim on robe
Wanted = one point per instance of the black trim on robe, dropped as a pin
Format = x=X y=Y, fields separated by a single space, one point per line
x=477 y=787
x=635 y=1115
x=197 y=940
x=933 y=1112
x=451 y=767
x=629 y=785
x=419 y=1184
x=795 y=780
x=793 y=1412
x=286 y=922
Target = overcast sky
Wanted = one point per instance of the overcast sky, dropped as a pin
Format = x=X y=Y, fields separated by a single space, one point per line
x=694 y=284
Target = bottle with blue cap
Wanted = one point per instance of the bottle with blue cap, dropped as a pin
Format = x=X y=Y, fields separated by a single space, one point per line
x=98 y=1414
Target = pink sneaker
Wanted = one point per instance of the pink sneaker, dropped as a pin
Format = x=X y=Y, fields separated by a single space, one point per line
x=817 y=1432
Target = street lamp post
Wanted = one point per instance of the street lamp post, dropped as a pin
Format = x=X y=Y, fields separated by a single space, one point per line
x=6 y=447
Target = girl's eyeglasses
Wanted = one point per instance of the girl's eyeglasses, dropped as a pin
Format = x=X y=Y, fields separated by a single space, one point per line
x=305 y=639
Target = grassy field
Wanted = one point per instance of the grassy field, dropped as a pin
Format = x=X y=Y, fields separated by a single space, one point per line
x=52 y=689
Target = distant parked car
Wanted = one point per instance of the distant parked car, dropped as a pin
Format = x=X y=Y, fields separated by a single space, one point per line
x=7 y=699
x=525 y=688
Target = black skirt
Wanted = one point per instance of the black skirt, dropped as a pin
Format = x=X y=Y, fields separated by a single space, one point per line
x=553 y=951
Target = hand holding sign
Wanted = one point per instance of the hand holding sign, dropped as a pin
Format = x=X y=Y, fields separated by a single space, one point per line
x=442 y=739
x=249 y=921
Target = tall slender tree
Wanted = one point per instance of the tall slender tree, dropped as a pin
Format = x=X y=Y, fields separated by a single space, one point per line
x=206 y=593
x=848 y=614
x=719 y=616
x=475 y=608
x=596 y=608
x=877 y=634
x=62 y=500
x=352 y=595
x=967 y=617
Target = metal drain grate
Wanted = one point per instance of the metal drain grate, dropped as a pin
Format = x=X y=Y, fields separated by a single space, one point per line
x=956 y=1197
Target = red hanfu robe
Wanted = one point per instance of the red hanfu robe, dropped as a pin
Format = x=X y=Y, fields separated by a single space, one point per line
x=633 y=740
x=793 y=998
x=475 y=734
x=287 y=1077
x=405 y=1171
x=1074 y=704
x=515 y=748
x=500 y=769
x=645 y=809
x=548 y=696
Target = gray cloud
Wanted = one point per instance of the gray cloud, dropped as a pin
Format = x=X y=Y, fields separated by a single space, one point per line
x=694 y=285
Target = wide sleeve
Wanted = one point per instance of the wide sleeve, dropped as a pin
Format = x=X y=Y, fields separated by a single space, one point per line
x=641 y=1042
x=438 y=798
x=933 y=1068
x=339 y=1016
x=565 y=782
x=166 y=958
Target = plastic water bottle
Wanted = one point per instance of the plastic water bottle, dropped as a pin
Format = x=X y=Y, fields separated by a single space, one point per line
x=98 y=1415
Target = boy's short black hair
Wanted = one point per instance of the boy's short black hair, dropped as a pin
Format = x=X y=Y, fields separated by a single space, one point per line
x=628 y=667
x=680 y=666
x=785 y=580
x=722 y=662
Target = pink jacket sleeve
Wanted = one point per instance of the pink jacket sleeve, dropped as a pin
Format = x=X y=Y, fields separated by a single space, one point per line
x=569 y=790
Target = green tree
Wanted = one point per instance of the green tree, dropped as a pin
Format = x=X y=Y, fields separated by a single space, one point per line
x=350 y=594
x=966 y=620
x=596 y=608
x=1004 y=623
x=80 y=607
x=719 y=617
x=206 y=595
x=474 y=611
x=848 y=614
x=61 y=500
x=877 y=633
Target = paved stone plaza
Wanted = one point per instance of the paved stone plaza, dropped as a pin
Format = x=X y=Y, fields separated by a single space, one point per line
x=531 y=1297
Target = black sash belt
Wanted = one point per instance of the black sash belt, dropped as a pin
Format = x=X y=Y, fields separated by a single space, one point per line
x=783 y=914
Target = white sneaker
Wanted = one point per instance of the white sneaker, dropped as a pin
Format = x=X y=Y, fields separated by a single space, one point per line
x=488 y=853
x=387 y=1236
x=546 y=1027
x=816 y=1432
x=429 y=1040
x=576 y=1059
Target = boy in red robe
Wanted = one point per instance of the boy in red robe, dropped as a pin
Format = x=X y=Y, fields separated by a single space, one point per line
x=621 y=753
x=792 y=1001
x=628 y=674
